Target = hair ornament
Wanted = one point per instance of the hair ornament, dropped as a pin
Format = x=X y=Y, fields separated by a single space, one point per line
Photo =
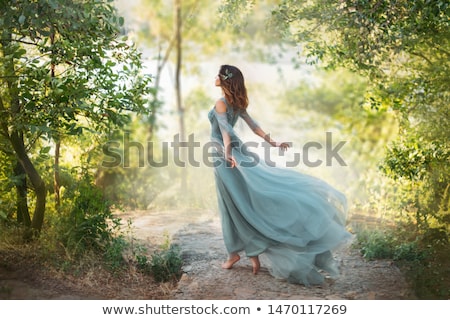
x=228 y=75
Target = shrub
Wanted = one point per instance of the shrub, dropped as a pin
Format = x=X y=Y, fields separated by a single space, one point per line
x=424 y=259
x=375 y=244
x=166 y=263
x=89 y=224
x=114 y=253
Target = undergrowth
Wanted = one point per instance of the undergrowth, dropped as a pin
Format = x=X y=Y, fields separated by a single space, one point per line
x=165 y=263
x=422 y=256
x=86 y=237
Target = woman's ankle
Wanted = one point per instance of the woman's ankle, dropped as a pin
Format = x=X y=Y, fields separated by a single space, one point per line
x=232 y=259
x=255 y=264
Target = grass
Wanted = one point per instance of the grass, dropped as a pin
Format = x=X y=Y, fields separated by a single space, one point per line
x=55 y=273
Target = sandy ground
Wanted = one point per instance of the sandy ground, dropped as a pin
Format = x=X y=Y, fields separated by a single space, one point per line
x=203 y=252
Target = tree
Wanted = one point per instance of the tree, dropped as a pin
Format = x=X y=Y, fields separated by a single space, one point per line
x=64 y=69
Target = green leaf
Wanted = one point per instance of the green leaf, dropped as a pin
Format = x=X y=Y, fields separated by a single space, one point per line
x=45 y=150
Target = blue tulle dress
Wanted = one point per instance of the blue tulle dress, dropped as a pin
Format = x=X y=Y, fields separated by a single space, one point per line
x=294 y=219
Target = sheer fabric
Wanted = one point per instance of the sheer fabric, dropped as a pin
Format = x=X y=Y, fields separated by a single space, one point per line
x=293 y=219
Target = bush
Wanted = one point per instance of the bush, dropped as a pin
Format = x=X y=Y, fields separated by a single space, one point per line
x=375 y=244
x=88 y=225
x=165 y=264
x=114 y=253
x=424 y=260
x=408 y=251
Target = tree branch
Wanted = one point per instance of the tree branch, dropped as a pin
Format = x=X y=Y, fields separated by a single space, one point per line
x=19 y=40
x=421 y=56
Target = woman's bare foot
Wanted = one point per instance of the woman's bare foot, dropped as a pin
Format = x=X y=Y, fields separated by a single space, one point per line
x=255 y=264
x=231 y=261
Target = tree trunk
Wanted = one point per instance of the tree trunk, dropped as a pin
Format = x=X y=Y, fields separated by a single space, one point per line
x=23 y=214
x=56 y=177
x=35 y=179
x=18 y=144
x=180 y=108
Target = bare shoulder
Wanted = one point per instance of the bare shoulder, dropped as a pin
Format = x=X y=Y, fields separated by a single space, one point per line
x=221 y=106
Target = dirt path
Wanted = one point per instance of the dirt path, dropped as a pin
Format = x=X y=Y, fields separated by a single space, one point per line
x=200 y=238
x=199 y=235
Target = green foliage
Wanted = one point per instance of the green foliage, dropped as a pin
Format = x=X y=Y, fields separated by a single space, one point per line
x=424 y=259
x=114 y=253
x=73 y=65
x=89 y=225
x=422 y=174
x=166 y=263
x=65 y=70
x=414 y=159
x=409 y=251
x=431 y=278
x=365 y=35
x=376 y=244
x=143 y=263
x=393 y=43
x=343 y=102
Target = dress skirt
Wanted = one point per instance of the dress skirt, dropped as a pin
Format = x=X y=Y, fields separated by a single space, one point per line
x=294 y=219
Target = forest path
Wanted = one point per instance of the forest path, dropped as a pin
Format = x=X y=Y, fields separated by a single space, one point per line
x=199 y=235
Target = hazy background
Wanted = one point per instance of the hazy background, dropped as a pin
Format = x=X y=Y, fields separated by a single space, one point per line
x=267 y=82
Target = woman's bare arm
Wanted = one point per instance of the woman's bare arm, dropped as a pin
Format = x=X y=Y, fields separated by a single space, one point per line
x=260 y=132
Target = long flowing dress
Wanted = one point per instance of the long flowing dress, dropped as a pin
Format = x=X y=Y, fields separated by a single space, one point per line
x=294 y=219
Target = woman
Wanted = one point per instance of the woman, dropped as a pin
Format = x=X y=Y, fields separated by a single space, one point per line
x=294 y=219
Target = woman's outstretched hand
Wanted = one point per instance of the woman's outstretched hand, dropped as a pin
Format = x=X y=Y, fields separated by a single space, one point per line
x=283 y=146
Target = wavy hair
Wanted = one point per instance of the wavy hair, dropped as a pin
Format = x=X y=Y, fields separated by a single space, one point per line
x=233 y=86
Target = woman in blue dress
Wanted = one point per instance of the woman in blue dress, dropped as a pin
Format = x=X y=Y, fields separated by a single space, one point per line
x=294 y=219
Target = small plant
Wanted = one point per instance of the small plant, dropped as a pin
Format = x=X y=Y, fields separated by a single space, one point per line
x=142 y=261
x=89 y=225
x=114 y=253
x=166 y=263
x=408 y=251
x=375 y=244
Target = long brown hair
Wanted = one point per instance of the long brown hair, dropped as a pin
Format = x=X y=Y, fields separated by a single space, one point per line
x=233 y=86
